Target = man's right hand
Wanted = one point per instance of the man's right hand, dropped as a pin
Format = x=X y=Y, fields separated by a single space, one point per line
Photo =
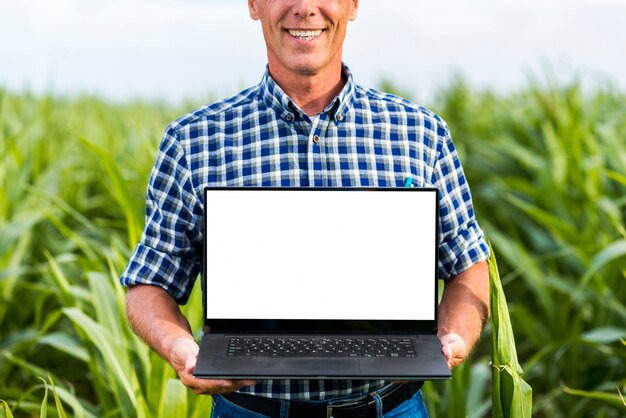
x=155 y=316
x=183 y=353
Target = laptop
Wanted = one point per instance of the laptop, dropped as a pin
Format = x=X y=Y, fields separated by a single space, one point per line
x=320 y=283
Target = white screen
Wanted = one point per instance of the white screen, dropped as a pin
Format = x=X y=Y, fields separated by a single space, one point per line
x=317 y=254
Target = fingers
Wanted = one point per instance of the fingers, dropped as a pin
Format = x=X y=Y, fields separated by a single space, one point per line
x=183 y=358
x=214 y=386
x=454 y=349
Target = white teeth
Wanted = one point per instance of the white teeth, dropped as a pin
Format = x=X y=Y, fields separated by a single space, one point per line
x=305 y=34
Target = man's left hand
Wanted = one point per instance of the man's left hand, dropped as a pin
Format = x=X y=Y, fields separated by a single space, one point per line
x=454 y=349
x=463 y=310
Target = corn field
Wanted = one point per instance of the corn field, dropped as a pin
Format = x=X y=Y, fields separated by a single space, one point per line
x=547 y=167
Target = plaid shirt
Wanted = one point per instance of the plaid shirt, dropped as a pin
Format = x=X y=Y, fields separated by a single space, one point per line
x=261 y=138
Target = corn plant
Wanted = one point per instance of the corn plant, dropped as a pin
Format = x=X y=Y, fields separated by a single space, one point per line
x=511 y=395
x=547 y=166
x=72 y=177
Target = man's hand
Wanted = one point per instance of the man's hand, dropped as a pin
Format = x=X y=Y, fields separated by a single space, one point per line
x=182 y=357
x=454 y=349
x=154 y=316
x=463 y=311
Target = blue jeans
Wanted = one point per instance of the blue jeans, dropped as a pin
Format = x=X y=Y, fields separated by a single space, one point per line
x=411 y=408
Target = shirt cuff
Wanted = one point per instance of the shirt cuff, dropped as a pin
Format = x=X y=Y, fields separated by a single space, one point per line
x=176 y=275
x=468 y=248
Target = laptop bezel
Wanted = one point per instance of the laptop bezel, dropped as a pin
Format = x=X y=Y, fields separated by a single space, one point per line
x=332 y=326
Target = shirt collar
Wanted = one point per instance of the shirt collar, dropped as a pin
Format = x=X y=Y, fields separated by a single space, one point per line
x=277 y=99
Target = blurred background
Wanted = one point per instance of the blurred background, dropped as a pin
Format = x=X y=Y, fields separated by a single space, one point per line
x=534 y=94
x=182 y=49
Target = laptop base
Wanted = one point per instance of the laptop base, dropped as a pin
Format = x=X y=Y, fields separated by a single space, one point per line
x=428 y=364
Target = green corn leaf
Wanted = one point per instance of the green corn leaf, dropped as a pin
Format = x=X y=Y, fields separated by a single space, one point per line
x=477 y=390
x=119 y=190
x=61 y=280
x=618 y=177
x=611 y=252
x=4 y=408
x=511 y=395
x=611 y=398
x=78 y=410
x=22 y=223
x=105 y=303
x=143 y=410
x=44 y=402
x=57 y=401
x=114 y=358
x=174 y=400
x=24 y=364
x=546 y=218
x=604 y=335
x=201 y=406
x=11 y=274
x=67 y=344
x=513 y=252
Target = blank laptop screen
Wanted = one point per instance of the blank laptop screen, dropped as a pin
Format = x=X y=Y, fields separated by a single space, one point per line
x=349 y=254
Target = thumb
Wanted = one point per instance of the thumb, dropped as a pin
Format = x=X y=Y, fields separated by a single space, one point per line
x=190 y=362
x=183 y=354
x=447 y=352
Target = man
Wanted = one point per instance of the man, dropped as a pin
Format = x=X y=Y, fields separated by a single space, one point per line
x=306 y=124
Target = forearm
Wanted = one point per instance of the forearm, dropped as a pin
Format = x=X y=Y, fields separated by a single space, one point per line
x=155 y=317
x=465 y=304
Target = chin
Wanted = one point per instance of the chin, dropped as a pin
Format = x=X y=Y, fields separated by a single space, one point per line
x=307 y=71
x=307 y=68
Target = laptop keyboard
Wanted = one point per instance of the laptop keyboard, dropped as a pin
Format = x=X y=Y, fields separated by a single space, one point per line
x=321 y=347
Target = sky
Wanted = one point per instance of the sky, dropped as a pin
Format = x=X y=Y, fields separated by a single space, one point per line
x=196 y=49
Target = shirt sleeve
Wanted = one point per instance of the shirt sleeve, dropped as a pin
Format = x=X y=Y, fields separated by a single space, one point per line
x=169 y=252
x=461 y=241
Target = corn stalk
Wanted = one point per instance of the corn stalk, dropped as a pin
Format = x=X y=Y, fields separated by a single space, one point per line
x=511 y=395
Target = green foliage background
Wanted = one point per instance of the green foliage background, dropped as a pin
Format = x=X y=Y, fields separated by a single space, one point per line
x=547 y=167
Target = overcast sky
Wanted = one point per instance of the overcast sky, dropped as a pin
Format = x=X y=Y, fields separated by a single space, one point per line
x=176 y=49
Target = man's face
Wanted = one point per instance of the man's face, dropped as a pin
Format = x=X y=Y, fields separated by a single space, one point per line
x=303 y=37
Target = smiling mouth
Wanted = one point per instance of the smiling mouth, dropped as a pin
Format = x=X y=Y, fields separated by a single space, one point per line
x=305 y=35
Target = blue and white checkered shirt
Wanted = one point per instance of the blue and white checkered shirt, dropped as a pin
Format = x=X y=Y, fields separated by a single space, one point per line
x=260 y=137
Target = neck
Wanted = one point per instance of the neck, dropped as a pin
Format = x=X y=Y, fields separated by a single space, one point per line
x=311 y=92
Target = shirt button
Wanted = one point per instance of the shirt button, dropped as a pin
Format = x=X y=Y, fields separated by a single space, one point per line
x=289 y=117
x=316 y=139
x=339 y=117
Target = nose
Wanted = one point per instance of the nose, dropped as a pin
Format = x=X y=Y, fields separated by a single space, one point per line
x=304 y=8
